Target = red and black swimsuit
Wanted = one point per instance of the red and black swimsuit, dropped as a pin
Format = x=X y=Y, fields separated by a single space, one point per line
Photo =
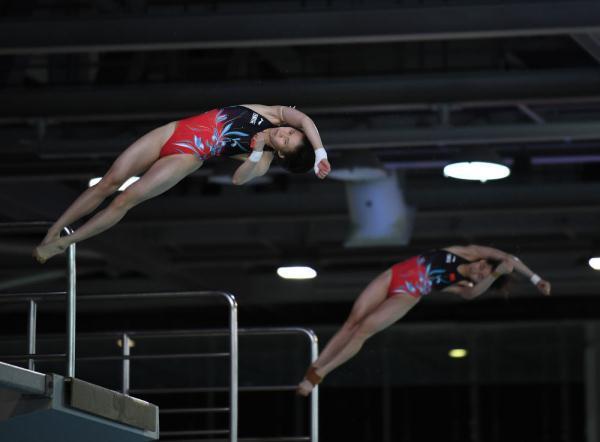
x=227 y=131
x=432 y=270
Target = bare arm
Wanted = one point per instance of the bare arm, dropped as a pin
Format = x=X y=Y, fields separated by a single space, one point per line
x=476 y=252
x=299 y=120
x=252 y=169
x=483 y=252
x=469 y=291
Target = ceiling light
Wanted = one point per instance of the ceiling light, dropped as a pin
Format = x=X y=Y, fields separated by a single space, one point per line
x=296 y=272
x=124 y=186
x=595 y=263
x=477 y=164
x=457 y=353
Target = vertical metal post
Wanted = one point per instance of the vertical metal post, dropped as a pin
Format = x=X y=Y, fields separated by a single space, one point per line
x=592 y=386
x=474 y=399
x=126 y=363
x=31 y=332
x=565 y=391
x=314 y=397
x=71 y=291
x=386 y=394
x=233 y=369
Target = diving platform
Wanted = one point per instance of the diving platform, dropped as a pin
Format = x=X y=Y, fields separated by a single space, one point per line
x=37 y=407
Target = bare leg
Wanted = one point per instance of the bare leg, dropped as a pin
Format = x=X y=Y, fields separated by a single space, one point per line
x=164 y=174
x=388 y=312
x=136 y=159
x=371 y=297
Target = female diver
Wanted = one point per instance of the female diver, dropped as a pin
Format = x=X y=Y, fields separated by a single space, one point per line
x=466 y=271
x=254 y=133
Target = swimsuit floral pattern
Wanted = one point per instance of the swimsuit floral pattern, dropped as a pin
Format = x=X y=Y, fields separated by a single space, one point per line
x=209 y=139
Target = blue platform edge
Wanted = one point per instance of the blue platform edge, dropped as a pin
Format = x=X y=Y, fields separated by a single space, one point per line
x=47 y=419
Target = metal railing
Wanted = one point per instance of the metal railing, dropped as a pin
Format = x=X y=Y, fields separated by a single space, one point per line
x=32 y=301
x=314 y=354
x=271 y=331
x=31 y=356
x=132 y=336
x=232 y=333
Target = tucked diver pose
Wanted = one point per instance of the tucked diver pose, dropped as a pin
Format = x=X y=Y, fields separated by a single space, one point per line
x=466 y=271
x=254 y=133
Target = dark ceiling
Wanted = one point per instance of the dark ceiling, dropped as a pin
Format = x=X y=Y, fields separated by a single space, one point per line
x=411 y=81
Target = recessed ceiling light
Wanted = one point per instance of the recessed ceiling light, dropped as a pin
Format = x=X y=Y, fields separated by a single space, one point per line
x=296 y=272
x=476 y=170
x=457 y=353
x=477 y=164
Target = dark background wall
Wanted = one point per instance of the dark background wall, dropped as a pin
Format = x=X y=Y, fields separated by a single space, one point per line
x=412 y=82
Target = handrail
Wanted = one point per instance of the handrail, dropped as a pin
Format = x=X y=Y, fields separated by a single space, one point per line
x=233 y=333
x=254 y=331
x=44 y=296
x=34 y=298
x=71 y=299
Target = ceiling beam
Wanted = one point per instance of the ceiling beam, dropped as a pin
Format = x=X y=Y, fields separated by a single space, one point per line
x=589 y=42
x=362 y=138
x=333 y=95
x=323 y=27
x=460 y=136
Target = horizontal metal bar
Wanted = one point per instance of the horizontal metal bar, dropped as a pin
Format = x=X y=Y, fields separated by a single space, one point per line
x=134 y=391
x=210 y=389
x=191 y=333
x=12 y=297
x=192 y=433
x=194 y=410
x=112 y=358
x=37 y=357
x=274 y=439
x=159 y=356
x=269 y=388
x=216 y=332
x=22 y=297
x=327 y=27
x=248 y=439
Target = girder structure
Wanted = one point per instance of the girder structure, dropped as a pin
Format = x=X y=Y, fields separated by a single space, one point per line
x=323 y=96
x=384 y=140
x=326 y=27
x=413 y=84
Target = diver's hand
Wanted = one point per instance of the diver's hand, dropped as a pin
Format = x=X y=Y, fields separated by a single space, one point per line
x=323 y=168
x=544 y=287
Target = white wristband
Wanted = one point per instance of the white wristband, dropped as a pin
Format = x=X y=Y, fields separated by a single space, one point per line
x=255 y=156
x=320 y=154
x=535 y=279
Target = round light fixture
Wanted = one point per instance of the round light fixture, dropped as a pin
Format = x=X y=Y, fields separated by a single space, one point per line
x=594 y=263
x=296 y=272
x=476 y=170
x=457 y=353
x=478 y=165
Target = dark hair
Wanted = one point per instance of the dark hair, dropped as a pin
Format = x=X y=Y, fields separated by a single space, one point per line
x=301 y=160
x=504 y=282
